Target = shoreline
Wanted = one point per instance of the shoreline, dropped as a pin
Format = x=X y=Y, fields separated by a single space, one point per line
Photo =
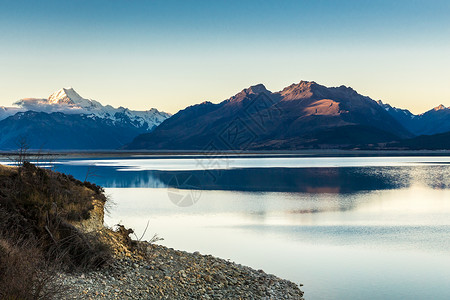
x=158 y=272
x=74 y=154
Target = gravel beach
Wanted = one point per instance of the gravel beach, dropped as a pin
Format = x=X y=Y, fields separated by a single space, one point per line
x=159 y=272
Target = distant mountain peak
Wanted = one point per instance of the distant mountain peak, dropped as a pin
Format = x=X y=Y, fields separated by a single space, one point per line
x=303 y=85
x=303 y=89
x=65 y=96
x=206 y=103
x=61 y=100
x=255 y=89
x=252 y=90
x=347 y=89
x=307 y=83
x=440 y=107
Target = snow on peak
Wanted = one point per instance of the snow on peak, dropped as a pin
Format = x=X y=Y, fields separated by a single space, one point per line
x=68 y=96
x=68 y=101
x=384 y=105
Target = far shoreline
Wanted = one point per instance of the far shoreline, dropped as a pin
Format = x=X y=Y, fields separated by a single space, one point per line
x=69 y=154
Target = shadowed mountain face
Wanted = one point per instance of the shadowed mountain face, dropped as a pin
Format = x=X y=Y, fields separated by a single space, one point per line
x=440 y=141
x=434 y=121
x=304 y=115
x=65 y=131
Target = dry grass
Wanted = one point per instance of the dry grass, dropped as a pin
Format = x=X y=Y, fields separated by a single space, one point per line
x=39 y=213
x=25 y=273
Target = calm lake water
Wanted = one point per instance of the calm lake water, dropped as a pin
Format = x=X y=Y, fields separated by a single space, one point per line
x=345 y=227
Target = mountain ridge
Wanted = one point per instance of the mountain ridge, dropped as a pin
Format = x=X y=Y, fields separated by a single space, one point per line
x=431 y=122
x=302 y=115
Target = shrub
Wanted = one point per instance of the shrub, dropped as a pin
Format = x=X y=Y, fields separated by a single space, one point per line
x=40 y=204
x=24 y=273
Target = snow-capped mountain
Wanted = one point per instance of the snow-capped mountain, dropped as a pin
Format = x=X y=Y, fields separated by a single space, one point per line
x=434 y=121
x=65 y=120
x=68 y=101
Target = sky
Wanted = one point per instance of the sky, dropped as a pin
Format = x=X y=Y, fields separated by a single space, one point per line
x=172 y=54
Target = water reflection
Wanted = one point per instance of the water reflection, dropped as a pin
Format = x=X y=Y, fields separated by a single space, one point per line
x=303 y=180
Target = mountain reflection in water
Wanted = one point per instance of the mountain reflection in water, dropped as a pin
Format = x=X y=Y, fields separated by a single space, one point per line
x=305 y=180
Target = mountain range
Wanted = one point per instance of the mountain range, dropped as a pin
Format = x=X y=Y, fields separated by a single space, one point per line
x=65 y=120
x=305 y=115
x=434 y=121
x=301 y=116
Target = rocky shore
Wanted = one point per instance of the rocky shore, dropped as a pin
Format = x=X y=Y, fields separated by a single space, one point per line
x=165 y=273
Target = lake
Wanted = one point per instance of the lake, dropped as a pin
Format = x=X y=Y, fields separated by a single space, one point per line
x=345 y=227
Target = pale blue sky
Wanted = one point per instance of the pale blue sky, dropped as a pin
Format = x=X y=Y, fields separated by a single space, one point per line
x=171 y=54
